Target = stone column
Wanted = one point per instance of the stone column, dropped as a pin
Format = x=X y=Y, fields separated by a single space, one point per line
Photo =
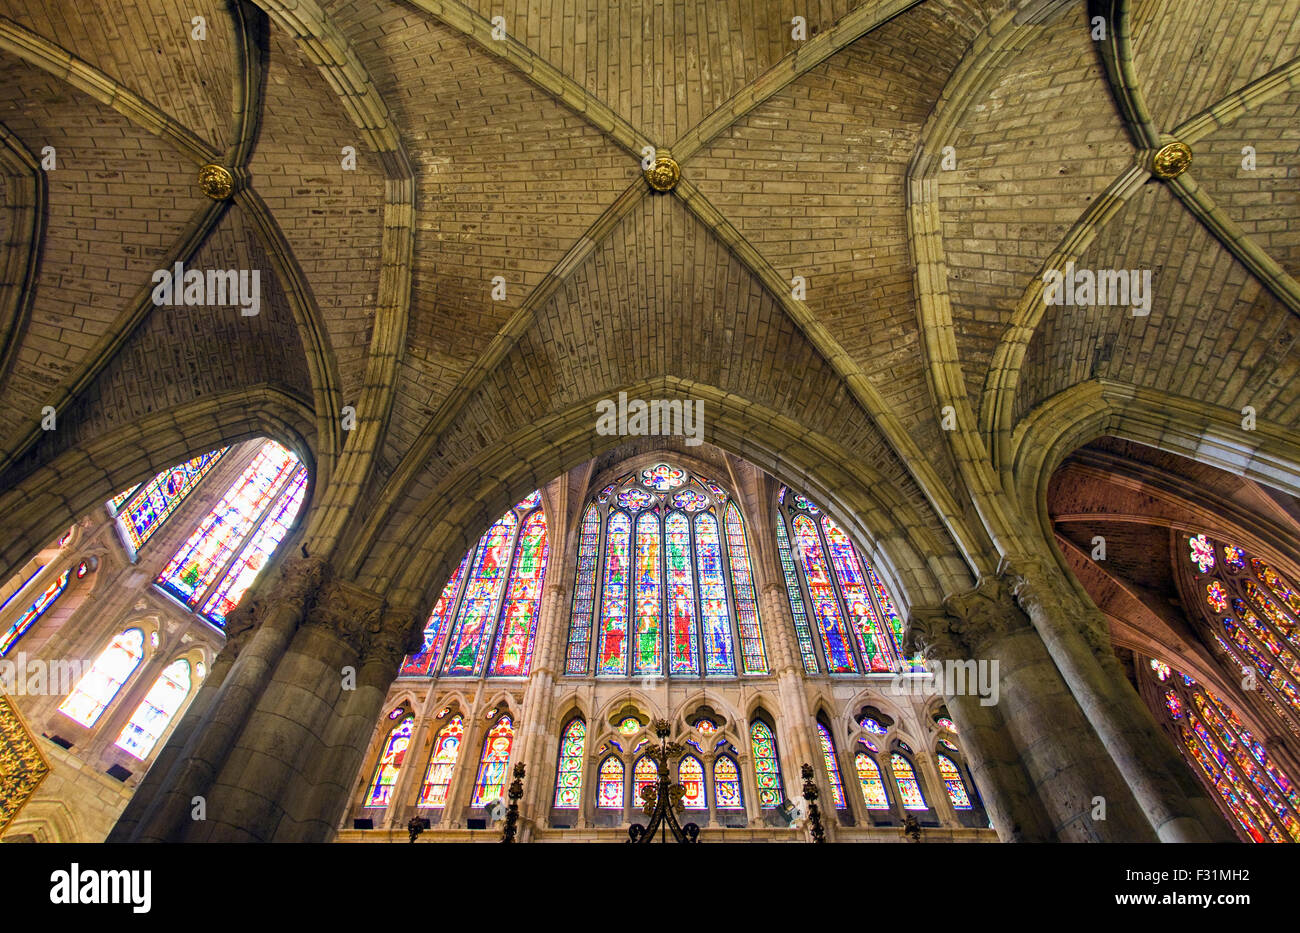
x=994 y=761
x=257 y=634
x=540 y=734
x=1076 y=637
x=788 y=667
x=1067 y=766
x=315 y=803
x=329 y=678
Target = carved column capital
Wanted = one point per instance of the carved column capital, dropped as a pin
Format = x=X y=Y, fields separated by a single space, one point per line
x=985 y=613
x=241 y=624
x=300 y=580
x=931 y=634
x=363 y=620
x=1044 y=594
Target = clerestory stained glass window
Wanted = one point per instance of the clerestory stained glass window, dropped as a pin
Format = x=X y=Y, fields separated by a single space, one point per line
x=664 y=584
x=858 y=629
x=144 y=508
x=1253 y=789
x=232 y=544
x=24 y=622
x=485 y=621
x=1255 y=612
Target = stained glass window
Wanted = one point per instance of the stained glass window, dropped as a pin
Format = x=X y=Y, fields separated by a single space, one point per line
x=943 y=722
x=767 y=769
x=952 y=781
x=1256 y=612
x=435 y=630
x=909 y=789
x=873 y=787
x=479 y=605
x=832 y=767
x=645 y=775
x=390 y=764
x=691 y=773
x=1253 y=788
x=153 y=714
x=1161 y=669
x=584 y=594
x=752 y=652
x=645 y=654
x=726 y=784
x=823 y=569
x=515 y=633
x=492 y=767
x=629 y=726
x=442 y=762
x=568 y=777
x=233 y=542
x=99 y=685
x=153 y=503
x=670 y=582
x=33 y=612
x=609 y=794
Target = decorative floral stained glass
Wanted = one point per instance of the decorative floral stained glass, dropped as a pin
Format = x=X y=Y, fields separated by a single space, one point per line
x=691 y=773
x=832 y=767
x=609 y=784
x=1161 y=669
x=718 y=492
x=584 y=594
x=683 y=632
x=390 y=764
x=151 y=505
x=1202 y=553
x=606 y=493
x=1274 y=582
x=953 y=783
x=690 y=500
x=663 y=477
x=726 y=784
x=202 y=558
x=517 y=629
x=645 y=775
x=826 y=607
x=635 y=499
x=479 y=604
x=442 y=762
x=944 y=743
x=1234 y=557
x=867 y=743
x=803 y=634
x=492 y=767
x=33 y=612
x=714 y=612
x=646 y=648
x=872 y=640
x=767 y=769
x=150 y=719
x=99 y=685
x=871 y=725
x=629 y=726
x=227 y=594
x=943 y=722
x=568 y=779
x=753 y=654
x=425 y=662
x=806 y=505
x=706 y=726
x=1216 y=596
x=612 y=647
x=909 y=789
x=873 y=787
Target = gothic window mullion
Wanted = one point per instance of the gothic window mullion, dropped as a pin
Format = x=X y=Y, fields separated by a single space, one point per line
x=488 y=636
x=237 y=550
x=814 y=643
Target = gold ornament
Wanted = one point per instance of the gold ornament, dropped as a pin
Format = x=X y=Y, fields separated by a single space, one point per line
x=1171 y=161
x=216 y=181
x=22 y=766
x=664 y=174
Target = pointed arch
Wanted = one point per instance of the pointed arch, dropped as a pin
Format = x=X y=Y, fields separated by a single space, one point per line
x=390 y=763
x=691 y=773
x=610 y=784
x=767 y=766
x=909 y=788
x=953 y=783
x=726 y=784
x=870 y=781
x=491 y=780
